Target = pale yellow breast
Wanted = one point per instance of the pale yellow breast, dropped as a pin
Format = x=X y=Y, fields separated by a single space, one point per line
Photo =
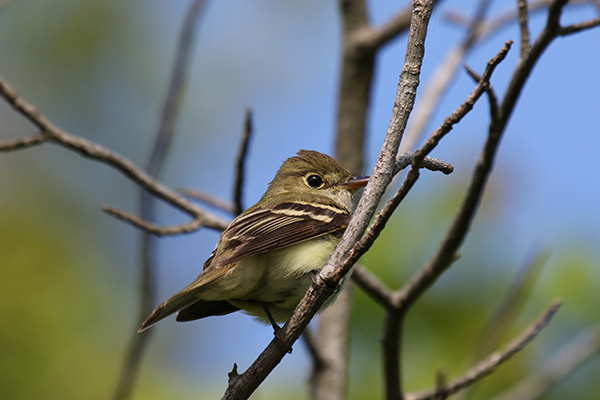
x=286 y=276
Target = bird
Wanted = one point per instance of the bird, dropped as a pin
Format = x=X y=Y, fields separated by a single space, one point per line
x=265 y=259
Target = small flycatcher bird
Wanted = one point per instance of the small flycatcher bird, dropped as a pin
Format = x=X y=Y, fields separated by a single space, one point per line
x=265 y=259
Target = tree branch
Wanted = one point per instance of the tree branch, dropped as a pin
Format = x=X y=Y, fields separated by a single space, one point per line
x=576 y=28
x=441 y=79
x=566 y=360
x=51 y=133
x=241 y=386
x=151 y=228
x=240 y=163
x=373 y=286
x=208 y=199
x=24 y=143
x=524 y=25
x=494 y=360
x=377 y=226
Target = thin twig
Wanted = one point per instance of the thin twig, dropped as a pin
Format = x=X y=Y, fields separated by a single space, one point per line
x=377 y=226
x=208 y=199
x=491 y=94
x=565 y=361
x=432 y=164
x=506 y=18
x=373 y=286
x=459 y=228
x=395 y=318
x=575 y=28
x=156 y=230
x=241 y=163
x=524 y=26
x=53 y=134
x=23 y=143
x=494 y=360
x=441 y=79
x=456 y=234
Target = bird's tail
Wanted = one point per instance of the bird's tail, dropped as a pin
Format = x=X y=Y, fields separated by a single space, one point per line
x=170 y=306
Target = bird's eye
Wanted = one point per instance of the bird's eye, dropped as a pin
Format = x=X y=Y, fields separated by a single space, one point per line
x=314 y=181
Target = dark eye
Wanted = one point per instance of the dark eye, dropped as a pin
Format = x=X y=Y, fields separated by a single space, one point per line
x=314 y=181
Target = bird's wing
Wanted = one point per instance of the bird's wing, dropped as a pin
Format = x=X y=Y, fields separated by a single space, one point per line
x=266 y=229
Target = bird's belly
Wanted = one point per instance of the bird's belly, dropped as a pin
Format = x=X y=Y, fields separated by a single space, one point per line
x=286 y=276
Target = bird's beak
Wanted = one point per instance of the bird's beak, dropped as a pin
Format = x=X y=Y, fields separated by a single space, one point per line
x=355 y=183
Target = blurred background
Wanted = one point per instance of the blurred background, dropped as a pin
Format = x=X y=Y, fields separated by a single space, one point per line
x=68 y=276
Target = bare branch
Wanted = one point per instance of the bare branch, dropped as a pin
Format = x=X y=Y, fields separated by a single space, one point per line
x=151 y=228
x=23 y=143
x=524 y=25
x=494 y=360
x=369 y=39
x=241 y=386
x=455 y=235
x=567 y=30
x=377 y=226
x=568 y=359
x=441 y=79
x=432 y=164
x=240 y=163
x=208 y=199
x=460 y=226
x=493 y=99
x=26 y=109
x=373 y=286
x=390 y=345
x=99 y=153
x=395 y=316
x=328 y=380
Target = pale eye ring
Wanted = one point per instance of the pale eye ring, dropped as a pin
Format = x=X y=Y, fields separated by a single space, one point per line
x=314 y=181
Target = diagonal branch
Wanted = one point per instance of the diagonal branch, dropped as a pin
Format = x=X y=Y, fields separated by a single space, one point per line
x=148 y=227
x=457 y=232
x=53 y=134
x=241 y=386
x=575 y=28
x=377 y=226
x=567 y=359
x=373 y=286
x=208 y=199
x=441 y=79
x=490 y=363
